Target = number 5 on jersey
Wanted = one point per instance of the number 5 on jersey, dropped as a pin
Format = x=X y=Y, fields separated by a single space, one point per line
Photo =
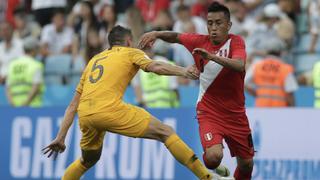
x=96 y=67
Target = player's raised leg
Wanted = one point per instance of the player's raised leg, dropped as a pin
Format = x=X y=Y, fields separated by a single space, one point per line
x=91 y=147
x=244 y=169
x=181 y=151
x=88 y=159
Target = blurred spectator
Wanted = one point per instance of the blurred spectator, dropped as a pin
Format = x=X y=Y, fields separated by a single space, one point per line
x=289 y=7
x=314 y=23
x=316 y=84
x=24 y=85
x=285 y=27
x=184 y=15
x=155 y=91
x=108 y=21
x=134 y=20
x=312 y=78
x=94 y=45
x=271 y=80
x=56 y=38
x=200 y=8
x=23 y=27
x=44 y=9
x=122 y=5
x=266 y=30
x=182 y=56
x=255 y=7
x=8 y=8
x=10 y=48
x=3 y=7
x=98 y=5
x=176 y=3
x=85 y=18
x=163 y=21
x=242 y=24
x=150 y=8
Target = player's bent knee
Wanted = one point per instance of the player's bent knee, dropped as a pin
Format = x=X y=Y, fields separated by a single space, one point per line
x=214 y=155
x=89 y=162
x=164 y=132
x=212 y=159
x=90 y=158
x=168 y=130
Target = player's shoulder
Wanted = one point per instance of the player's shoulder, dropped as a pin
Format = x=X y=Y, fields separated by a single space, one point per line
x=100 y=55
x=235 y=37
x=134 y=50
x=134 y=53
x=237 y=41
x=130 y=51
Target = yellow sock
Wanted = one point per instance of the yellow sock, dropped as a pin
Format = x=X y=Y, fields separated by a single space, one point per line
x=186 y=156
x=74 y=171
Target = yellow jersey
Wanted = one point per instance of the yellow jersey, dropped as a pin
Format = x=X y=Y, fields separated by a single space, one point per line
x=106 y=78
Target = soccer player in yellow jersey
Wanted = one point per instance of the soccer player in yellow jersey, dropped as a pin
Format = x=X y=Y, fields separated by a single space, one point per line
x=98 y=101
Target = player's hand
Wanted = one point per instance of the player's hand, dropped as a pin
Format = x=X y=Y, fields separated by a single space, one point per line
x=57 y=146
x=202 y=52
x=192 y=73
x=147 y=40
x=194 y=70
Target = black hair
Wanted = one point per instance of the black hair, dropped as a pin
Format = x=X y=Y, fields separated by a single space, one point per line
x=183 y=8
x=275 y=53
x=93 y=18
x=117 y=35
x=59 y=11
x=217 y=7
x=19 y=11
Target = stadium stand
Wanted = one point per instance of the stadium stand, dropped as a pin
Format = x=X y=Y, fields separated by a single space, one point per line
x=57 y=69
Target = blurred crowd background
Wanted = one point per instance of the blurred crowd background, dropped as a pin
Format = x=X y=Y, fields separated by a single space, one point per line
x=63 y=35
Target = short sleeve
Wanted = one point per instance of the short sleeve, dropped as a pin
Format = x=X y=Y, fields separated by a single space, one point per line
x=238 y=48
x=140 y=59
x=81 y=82
x=189 y=41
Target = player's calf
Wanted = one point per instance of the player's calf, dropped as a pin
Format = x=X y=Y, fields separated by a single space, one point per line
x=244 y=169
x=245 y=165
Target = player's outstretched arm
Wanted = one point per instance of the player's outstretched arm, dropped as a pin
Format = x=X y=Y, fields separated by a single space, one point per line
x=235 y=64
x=163 y=68
x=149 y=38
x=57 y=145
